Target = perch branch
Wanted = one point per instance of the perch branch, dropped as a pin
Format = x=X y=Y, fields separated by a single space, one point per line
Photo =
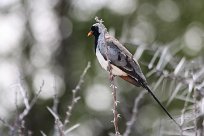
x=111 y=78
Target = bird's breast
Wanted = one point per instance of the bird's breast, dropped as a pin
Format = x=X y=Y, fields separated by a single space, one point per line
x=104 y=64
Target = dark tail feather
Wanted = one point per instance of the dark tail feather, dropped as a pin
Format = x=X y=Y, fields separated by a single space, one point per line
x=150 y=91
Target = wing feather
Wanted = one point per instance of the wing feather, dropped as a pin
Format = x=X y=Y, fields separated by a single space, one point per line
x=122 y=58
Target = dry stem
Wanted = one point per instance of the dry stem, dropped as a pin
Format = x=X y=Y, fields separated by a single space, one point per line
x=26 y=111
x=74 y=97
x=130 y=123
x=115 y=102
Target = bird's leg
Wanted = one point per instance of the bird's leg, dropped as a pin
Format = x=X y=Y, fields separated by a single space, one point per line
x=111 y=78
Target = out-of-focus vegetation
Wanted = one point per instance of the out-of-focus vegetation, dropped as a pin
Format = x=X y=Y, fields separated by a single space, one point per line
x=45 y=41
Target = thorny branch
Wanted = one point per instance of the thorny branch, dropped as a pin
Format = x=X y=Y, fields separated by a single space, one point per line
x=58 y=122
x=6 y=124
x=198 y=111
x=188 y=74
x=111 y=78
x=55 y=108
x=75 y=98
x=19 y=124
x=55 y=98
x=183 y=113
x=130 y=123
x=115 y=103
x=59 y=126
x=26 y=111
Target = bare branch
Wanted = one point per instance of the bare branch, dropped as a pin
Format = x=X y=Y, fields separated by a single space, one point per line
x=55 y=106
x=6 y=124
x=199 y=113
x=58 y=122
x=183 y=112
x=42 y=133
x=130 y=123
x=115 y=103
x=33 y=101
x=72 y=128
x=74 y=97
x=55 y=98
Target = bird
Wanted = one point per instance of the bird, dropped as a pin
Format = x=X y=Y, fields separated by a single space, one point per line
x=109 y=51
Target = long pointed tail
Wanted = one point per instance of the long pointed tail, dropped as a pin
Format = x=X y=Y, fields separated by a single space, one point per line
x=165 y=110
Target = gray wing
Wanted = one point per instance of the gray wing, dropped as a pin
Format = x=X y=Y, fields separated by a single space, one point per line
x=123 y=59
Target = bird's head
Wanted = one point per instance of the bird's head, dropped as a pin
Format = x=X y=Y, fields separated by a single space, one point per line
x=97 y=29
x=94 y=30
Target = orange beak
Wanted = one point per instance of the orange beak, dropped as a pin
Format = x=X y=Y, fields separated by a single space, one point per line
x=90 y=33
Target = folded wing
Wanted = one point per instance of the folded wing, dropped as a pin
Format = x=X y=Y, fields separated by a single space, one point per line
x=123 y=59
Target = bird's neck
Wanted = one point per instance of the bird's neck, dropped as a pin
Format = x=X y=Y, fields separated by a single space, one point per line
x=96 y=42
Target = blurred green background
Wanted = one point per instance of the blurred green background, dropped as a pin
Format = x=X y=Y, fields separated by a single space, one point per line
x=47 y=41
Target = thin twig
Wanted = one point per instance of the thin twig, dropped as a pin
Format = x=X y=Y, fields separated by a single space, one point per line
x=6 y=124
x=55 y=107
x=24 y=95
x=199 y=130
x=19 y=124
x=58 y=122
x=75 y=98
x=72 y=128
x=42 y=133
x=130 y=123
x=183 y=113
x=26 y=110
x=55 y=98
x=195 y=112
